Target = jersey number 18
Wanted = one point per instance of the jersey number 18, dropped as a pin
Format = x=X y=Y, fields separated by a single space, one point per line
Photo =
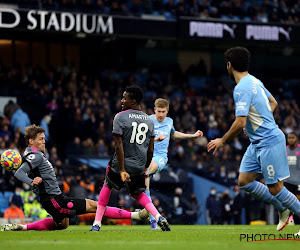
x=138 y=132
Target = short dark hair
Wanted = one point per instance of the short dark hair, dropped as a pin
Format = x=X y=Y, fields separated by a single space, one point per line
x=135 y=93
x=32 y=131
x=293 y=133
x=239 y=57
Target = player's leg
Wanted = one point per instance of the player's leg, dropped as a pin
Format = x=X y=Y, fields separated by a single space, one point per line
x=112 y=180
x=136 y=188
x=297 y=219
x=275 y=169
x=293 y=189
x=116 y=213
x=249 y=171
x=59 y=207
x=157 y=164
x=102 y=203
x=250 y=166
x=62 y=225
x=151 y=170
x=46 y=224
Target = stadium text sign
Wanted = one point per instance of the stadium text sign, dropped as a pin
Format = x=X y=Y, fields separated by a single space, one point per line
x=266 y=32
x=58 y=21
x=191 y=28
x=215 y=30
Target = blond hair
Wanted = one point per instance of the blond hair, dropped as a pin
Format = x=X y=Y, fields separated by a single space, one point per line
x=32 y=131
x=161 y=103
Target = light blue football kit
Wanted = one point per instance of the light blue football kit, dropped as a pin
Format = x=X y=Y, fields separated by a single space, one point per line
x=166 y=128
x=160 y=155
x=266 y=154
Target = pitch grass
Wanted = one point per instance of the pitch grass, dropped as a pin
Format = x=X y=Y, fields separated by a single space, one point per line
x=141 y=237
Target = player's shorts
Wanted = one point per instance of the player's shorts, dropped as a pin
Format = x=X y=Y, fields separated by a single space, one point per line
x=295 y=189
x=271 y=162
x=136 y=186
x=61 y=206
x=161 y=161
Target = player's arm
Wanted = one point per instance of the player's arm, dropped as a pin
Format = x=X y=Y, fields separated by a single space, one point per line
x=118 y=126
x=180 y=135
x=120 y=157
x=235 y=129
x=273 y=103
x=160 y=138
x=150 y=152
x=22 y=175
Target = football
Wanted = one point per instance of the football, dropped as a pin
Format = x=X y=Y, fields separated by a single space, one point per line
x=10 y=160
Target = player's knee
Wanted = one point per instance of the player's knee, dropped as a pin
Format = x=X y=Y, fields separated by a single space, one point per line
x=90 y=206
x=93 y=206
x=246 y=178
x=64 y=226
x=242 y=182
x=61 y=226
x=275 y=188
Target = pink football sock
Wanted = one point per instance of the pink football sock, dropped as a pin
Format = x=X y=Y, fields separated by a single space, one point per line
x=116 y=213
x=102 y=202
x=146 y=203
x=42 y=225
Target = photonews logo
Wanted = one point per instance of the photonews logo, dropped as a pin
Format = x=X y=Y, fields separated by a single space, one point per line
x=268 y=237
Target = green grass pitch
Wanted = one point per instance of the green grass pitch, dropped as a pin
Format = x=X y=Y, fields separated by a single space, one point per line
x=141 y=237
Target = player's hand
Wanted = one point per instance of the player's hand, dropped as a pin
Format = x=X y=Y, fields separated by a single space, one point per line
x=125 y=176
x=146 y=173
x=160 y=138
x=36 y=181
x=245 y=132
x=199 y=133
x=215 y=144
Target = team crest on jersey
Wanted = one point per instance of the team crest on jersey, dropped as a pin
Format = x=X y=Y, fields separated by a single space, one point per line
x=162 y=161
x=169 y=126
x=30 y=157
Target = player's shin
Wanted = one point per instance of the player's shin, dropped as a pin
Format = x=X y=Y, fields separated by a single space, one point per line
x=146 y=203
x=117 y=213
x=289 y=200
x=42 y=225
x=261 y=192
x=102 y=203
x=147 y=192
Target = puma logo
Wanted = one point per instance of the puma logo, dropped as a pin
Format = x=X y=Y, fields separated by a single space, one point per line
x=285 y=33
x=230 y=30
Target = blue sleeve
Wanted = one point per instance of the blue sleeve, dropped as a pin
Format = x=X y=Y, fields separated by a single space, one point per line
x=172 y=127
x=242 y=100
x=267 y=93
